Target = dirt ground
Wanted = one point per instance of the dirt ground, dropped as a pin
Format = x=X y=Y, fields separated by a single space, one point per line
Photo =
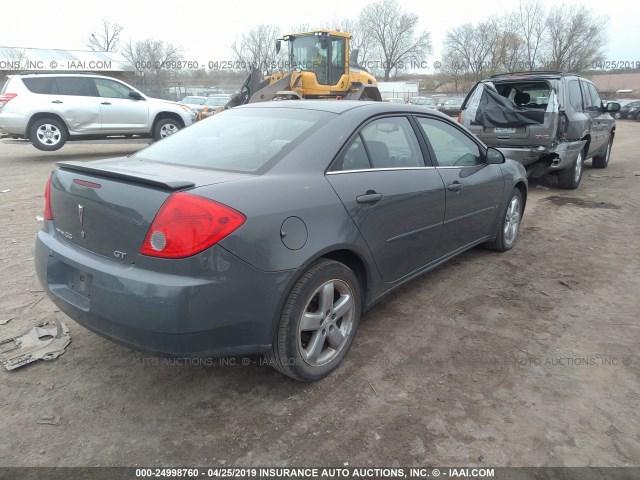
x=524 y=358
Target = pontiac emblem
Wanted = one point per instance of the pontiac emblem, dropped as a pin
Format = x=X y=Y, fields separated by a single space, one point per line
x=81 y=214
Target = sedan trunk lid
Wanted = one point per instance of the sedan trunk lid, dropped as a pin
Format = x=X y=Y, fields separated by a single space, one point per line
x=107 y=207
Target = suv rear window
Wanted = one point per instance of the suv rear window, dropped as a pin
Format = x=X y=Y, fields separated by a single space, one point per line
x=6 y=84
x=575 y=95
x=38 y=84
x=530 y=94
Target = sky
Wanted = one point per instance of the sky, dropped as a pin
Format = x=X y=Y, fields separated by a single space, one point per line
x=205 y=29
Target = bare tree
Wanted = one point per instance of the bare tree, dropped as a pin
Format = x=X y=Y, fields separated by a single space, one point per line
x=393 y=35
x=14 y=59
x=470 y=48
x=576 y=38
x=257 y=48
x=155 y=62
x=530 y=20
x=107 y=38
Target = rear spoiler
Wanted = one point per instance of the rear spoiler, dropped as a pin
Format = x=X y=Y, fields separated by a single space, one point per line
x=110 y=172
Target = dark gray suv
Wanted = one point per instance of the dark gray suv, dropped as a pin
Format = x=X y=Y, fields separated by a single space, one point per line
x=551 y=122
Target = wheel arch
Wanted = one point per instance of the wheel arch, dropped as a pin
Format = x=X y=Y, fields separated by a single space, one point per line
x=162 y=115
x=40 y=115
x=523 y=191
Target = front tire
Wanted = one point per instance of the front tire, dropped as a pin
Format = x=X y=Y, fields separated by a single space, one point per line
x=509 y=225
x=165 y=128
x=48 y=134
x=602 y=161
x=570 y=177
x=318 y=323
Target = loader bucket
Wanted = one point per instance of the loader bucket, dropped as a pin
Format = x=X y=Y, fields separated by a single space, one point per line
x=269 y=92
x=252 y=83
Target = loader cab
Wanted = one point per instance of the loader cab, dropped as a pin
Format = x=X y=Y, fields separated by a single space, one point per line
x=322 y=53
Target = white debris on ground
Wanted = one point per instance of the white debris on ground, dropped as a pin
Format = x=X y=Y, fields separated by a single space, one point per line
x=45 y=341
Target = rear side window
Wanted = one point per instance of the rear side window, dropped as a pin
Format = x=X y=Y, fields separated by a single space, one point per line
x=6 y=84
x=391 y=143
x=40 y=85
x=76 y=86
x=575 y=95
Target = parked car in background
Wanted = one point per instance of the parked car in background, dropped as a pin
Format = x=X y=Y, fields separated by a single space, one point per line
x=193 y=100
x=394 y=100
x=630 y=110
x=551 y=122
x=424 y=101
x=213 y=104
x=270 y=227
x=451 y=106
x=50 y=109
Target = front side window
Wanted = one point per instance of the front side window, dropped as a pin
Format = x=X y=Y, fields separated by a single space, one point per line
x=110 y=89
x=596 y=102
x=451 y=147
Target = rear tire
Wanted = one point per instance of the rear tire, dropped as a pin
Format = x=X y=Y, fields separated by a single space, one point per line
x=569 y=178
x=509 y=225
x=602 y=161
x=165 y=128
x=318 y=323
x=48 y=134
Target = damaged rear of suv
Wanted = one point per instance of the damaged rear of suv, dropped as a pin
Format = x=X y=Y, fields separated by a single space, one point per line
x=551 y=122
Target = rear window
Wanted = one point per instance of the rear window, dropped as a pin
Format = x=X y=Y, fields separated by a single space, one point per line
x=530 y=94
x=38 y=84
x=575 y=95
x=5 y=85
x=247 y=140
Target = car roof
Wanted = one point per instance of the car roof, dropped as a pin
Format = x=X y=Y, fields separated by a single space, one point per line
x=342 y=106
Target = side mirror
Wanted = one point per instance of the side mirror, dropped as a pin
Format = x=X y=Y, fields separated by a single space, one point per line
x=613 y=107
x=494 y=156
x=135 y=96
x=278 y=45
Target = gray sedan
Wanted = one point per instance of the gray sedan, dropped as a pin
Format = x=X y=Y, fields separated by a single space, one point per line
x=270 y=228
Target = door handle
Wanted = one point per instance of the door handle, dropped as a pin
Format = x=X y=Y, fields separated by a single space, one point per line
x=454 y=187
x=105 y=103
x=369 y=197
x=57 y=101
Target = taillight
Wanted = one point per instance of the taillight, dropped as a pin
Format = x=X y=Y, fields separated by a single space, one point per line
x=6 y=97
x=188 y=224
x=459 y=115
x=47 y=200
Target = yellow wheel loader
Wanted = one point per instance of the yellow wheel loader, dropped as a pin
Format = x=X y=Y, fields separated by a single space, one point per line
x=318 y=65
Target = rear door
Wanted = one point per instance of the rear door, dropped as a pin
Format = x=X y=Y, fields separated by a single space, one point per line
x=120 y=112
x=396 y=201
x=74 y=99
x=474 y=189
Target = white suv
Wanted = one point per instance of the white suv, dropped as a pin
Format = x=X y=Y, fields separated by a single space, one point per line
x=50 y=109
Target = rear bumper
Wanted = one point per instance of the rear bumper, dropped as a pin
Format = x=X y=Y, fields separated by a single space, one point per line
x=13 y=124
x=222 y=307
x=542 y=160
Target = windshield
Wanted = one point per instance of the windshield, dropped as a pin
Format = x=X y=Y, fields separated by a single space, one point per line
x=194 y=100
x=247 y=140
x=216 y=101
